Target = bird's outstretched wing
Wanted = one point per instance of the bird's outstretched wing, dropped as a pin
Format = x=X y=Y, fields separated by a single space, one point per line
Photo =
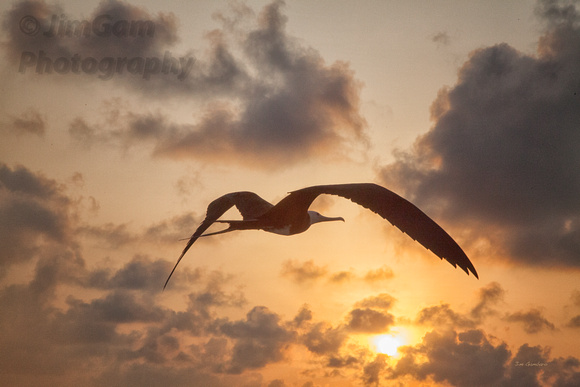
x=250 y=205
x=397 y=210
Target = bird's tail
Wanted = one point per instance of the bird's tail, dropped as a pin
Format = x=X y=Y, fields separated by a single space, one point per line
x=233 y=226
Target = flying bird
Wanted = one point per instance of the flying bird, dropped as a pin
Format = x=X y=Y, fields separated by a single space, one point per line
x=291 y=216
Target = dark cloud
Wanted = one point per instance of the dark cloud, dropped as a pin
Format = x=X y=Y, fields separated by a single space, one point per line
x=141 y=40
x=576 y=297
x=443 y=315
x=501 y=157
x=460 y=355
x=260 y=339
x=461 y=359
x=532 y=320
x=441 y=38
x=574 y=322
x=304 y=315
x=29 y=122
x=341 y=277
x=304 y=272
x=167 y=231
x=324 y=339
x=489 y=296
x=382 y=301
x=121 y=327
x=278 y=104
x=522 y=373
x=84 y=134
x=34 y=213
x=96 y=321
x=273 y=100
x=140 y=273
x=34 y=343
x=43 y=38
x=372 y=370
x=341 y=362
x=562 y=372
x=277 y=383
x=532 y=366
x=366 y=320
x=22 y=181
x=114 y=235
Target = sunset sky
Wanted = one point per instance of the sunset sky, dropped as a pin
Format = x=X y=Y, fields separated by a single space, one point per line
x=121 y=121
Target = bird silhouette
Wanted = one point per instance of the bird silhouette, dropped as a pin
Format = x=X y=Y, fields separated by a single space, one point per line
x=291 y=216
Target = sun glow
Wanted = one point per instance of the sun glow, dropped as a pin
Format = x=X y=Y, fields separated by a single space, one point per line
x=389 y=343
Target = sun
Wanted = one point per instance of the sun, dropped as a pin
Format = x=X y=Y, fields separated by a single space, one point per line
x=388 y=343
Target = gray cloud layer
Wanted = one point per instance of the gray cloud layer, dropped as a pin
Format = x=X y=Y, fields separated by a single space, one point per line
x=502 y=156
x=268 y=100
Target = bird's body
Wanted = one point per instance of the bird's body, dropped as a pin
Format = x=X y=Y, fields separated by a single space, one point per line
x=291 y=216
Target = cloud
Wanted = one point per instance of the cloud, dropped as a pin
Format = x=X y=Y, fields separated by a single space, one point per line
x=302 y=273
x=532 y=366
x=341 y=277
x=460 y=352
x=115 y=235
x=521 y=371
x=381 y=301
x=34 y=212
x=532 y=320
x=501 y=155
x=576 y=297
x=323 y=339
x=117 y=39
x=304 y=315
x=462 y=359
x=167 y=231
x=259 y=340
x=29 y=122
x=141 y=273
x=274 y=103
x=441 y=38
x=489 y=296
x=366 y=320
x=172 y=229
x=574 y=322
x=563 y=372
x=380 y=274
x=308 y=272
x=121 y=327
x=442 y=315
x=372 y=370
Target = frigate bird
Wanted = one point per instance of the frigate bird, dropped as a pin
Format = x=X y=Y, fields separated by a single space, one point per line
x=291 y=216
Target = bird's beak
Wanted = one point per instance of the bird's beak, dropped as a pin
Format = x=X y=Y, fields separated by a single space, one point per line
x=328 y=219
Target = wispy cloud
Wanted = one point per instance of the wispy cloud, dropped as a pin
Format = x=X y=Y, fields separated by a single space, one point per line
x=29 y=122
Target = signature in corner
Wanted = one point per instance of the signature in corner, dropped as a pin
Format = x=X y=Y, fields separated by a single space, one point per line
x=530 y=364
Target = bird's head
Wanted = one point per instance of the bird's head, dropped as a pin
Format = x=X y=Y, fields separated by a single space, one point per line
x=316 y=217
